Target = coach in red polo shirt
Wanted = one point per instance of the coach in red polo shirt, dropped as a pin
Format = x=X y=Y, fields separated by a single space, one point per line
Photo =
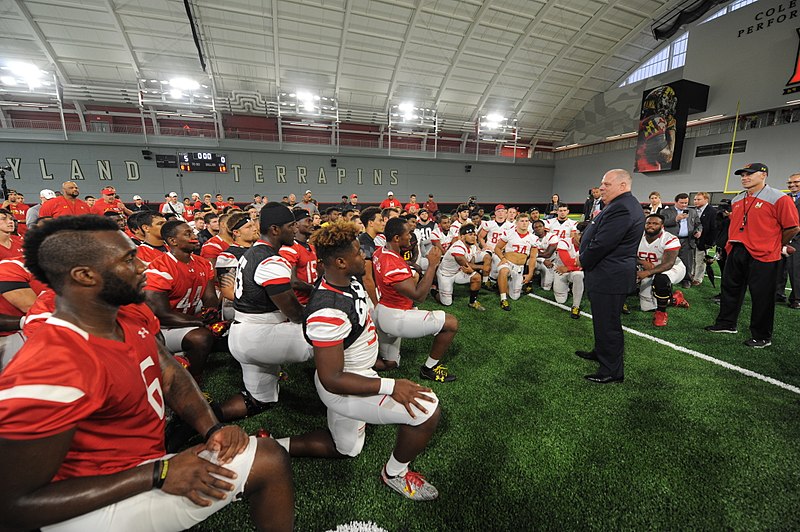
x=763 y=221
x=110 y=202
x=390 y=202
x=68 y=204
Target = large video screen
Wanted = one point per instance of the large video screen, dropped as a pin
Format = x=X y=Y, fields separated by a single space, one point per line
x=661 y=131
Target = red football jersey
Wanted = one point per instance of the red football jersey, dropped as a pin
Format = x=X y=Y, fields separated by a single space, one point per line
x=304 y=260
x=109 y=391
x=213 y=247
x=14 y=250
x=147 y=253
x=14 y=276
x=61 y=206
x=183 y=283
x=45 y=305
x=390 y=269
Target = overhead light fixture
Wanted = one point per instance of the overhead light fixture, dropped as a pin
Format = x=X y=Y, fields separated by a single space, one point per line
x=8 y=80
x=176 y=94
x=184 y=84
x=18 y=73
x=304 y=102
x=706 y=119
x=793 y=102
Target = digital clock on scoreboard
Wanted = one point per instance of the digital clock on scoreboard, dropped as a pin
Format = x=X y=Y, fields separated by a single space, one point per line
x=202 y=161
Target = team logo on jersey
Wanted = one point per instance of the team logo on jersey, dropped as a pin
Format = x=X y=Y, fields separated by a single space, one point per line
x=793 y=85
x=143 y=332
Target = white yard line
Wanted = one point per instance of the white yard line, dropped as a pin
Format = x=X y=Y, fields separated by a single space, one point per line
x=688 y=351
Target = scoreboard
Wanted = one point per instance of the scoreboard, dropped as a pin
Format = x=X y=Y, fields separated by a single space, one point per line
x=198 y=161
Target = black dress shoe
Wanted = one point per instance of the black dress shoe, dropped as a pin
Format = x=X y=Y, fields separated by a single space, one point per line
x=588 y=355
x=780 y=299
x=794 y=304
x=603 y=379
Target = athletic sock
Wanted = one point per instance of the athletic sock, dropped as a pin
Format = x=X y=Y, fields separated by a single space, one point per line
x=394 y=467
x=473 y=296
x=485 y=278
x=431 y=362
x=503 y=297
x=283 y=442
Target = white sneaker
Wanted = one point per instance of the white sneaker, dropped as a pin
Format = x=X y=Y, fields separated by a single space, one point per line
x=412 y=485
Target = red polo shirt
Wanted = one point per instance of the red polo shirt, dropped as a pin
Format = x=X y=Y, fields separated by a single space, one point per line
x=61 y=206
x=758 y=222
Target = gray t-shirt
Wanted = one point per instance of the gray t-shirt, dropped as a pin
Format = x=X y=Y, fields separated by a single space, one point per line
x=310 y=207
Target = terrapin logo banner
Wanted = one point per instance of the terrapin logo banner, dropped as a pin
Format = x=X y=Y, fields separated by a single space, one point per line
x=794 y=82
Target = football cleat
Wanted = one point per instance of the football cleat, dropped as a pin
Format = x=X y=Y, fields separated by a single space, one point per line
x=575 y=313
x=489 y=285
x=437 y=373
x=660 y=318
x=182 y=360
x=263 y=433
x=527 y=288
x=219 y=328
x=505 y=305
x=625 y=309
x=678 y=300
x=477 y=306
x=412 y=486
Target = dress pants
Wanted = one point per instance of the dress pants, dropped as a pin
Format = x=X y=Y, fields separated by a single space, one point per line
x=742 y=271
x=609 y=342
x=686 y=254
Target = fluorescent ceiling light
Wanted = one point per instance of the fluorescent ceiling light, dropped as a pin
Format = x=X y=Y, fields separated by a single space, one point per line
x=793 y=102
x=176 y=93
x=185 y=84
x=25 y=70
x=8 y=80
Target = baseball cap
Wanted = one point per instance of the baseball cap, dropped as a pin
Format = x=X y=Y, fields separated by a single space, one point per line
x=46 y=193
x=308 y=192
x=354 y=195
x=173 y=194
x=390 y=193
x=108 y=190
x=752 y=168
x=136 y=197
x=499 y=207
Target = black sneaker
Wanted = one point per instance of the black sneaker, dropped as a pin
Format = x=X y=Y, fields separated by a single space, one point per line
x=758 y=344
x=437 y=373
x=721 y=329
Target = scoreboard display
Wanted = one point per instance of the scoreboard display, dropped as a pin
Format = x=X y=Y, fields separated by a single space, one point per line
x=199 y=161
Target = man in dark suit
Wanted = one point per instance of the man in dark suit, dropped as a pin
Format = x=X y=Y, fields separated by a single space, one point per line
x=608 y=257
x=593 y=205
x=708 y=237
x=684 y=223
x=790 y=264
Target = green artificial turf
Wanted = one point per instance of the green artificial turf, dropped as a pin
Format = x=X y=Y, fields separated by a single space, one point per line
x=526 y=443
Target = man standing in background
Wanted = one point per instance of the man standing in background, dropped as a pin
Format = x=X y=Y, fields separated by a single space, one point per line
x=431 y=206
x=708 y=222
x=685 y=224
x=593 y=204
x=308 y=204
x=608 y=258
x=33 y=213
x=791 y=263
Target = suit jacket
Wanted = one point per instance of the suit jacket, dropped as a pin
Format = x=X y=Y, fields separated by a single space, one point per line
x=671 y=224
x=609 y=246
x=709 y=222
x=587 y=208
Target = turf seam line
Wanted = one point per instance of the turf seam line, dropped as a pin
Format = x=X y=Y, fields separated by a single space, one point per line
x=692 y=352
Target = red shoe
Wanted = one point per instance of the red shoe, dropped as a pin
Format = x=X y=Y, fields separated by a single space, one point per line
x=660 y=319
x=262 y=433
x=182 y=360
x=678 y=300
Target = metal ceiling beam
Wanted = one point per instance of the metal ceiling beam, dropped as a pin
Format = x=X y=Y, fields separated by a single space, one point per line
x=275 y=45
x=342 y=45
x=401 y=56
x=124 y=36
x=623 y=42
x=41 y=40
x=461 y=47
x=532 y=26
x=597 y=17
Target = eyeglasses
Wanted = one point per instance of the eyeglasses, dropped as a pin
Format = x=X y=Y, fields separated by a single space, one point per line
x=793 y=182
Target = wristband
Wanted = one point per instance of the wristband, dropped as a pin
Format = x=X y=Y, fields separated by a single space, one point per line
x=214 y=429
x=160 y=470
x=783 y=252
x=22 y=319
x=387 y=387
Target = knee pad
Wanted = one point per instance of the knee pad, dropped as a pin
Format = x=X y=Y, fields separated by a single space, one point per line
x=662 y=286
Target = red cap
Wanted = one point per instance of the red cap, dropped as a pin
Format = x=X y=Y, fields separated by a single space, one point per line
x=353 y=195
x=108 y=190
x=499 y=206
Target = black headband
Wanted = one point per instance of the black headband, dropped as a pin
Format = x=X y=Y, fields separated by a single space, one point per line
x=241 y=223
x=274 y=213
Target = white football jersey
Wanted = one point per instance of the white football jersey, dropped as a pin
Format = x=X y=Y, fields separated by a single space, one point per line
x=437 y=235
x=654 y=251
x=547 y=240
x=567 y=254
x=494 y=231
x=563 y=230
x=449 y=266
x=518 y=243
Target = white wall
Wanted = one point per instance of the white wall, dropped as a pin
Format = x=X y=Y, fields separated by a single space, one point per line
x=776 y=146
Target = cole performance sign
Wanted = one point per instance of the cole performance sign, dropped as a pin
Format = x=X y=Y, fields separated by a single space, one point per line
x=279 y=173
x=766 y=18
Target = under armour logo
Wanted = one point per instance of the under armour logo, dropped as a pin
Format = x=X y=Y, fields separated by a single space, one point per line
x=143 y=332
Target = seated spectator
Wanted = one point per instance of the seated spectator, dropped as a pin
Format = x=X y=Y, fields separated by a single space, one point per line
x=153 y=245
x=10 y=244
